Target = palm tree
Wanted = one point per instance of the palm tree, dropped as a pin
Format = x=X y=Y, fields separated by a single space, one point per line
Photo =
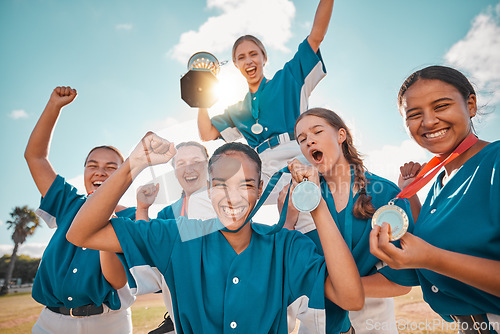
x=24 y=222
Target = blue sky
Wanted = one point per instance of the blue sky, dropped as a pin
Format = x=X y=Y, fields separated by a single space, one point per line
x=125 y=58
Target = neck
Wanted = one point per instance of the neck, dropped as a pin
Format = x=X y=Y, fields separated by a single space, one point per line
x=462 y=158
x=239 y=240
x=339 y=176
x=255 y=86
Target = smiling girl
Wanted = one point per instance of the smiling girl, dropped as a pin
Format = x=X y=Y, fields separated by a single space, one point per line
x=455 y=246
x=69 y=281
x=225 y=280
x=266 y=117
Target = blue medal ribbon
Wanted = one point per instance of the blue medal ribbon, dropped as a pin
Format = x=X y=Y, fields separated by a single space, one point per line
x=263 y=229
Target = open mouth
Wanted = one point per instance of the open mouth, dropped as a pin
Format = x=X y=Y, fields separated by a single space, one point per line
x=191 y=179
x=251 y=71
x=437 y=134
x=97 y=184
x=317 y=156
x=233 y=212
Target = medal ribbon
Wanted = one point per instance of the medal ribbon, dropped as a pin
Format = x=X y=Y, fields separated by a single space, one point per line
x=433 y=166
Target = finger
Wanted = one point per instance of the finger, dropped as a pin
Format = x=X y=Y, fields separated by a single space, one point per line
x=415 y=169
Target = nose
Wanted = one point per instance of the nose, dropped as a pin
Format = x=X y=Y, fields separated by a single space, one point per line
x=429 y=119
x=310 y=141
x=233 y=197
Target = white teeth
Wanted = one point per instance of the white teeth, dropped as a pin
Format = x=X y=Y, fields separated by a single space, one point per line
x=435 y=134
x=251 y=69
x=191 y=178
x=232 y=212
x=97 y=183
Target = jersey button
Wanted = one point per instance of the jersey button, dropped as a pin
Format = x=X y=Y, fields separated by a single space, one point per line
x=236 y=280
x=70 y=298
x=233 y=324
x=75 y=270
x=83 y=248
x=254 y=98
x=434 y=289
x=433 y=210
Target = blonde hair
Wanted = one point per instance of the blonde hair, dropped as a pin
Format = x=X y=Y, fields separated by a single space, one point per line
x=251 y=39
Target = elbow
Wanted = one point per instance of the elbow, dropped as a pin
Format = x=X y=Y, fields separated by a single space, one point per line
x=354 y=303
x=402 y=290
x=74 y=239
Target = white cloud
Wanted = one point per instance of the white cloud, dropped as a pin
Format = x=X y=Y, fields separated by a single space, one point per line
x=386 y=161
x=32 y=249
x=124 y=26
x=269 y=20
x=78 y=183
x=18 y=114
x=1 y=222
x=478 y=53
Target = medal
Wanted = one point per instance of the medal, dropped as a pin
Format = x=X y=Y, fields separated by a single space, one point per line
x=257 y=128
x=306 y=196
x=394 y=216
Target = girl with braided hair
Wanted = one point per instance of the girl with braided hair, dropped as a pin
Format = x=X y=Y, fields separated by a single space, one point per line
x=352 y=195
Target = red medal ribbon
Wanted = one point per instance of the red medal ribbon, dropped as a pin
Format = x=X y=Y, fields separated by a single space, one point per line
x=183 y=210
x=433 y=166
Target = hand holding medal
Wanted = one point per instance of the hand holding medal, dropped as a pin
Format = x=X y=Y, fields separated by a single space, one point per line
x=306 y=194
x=394 y=215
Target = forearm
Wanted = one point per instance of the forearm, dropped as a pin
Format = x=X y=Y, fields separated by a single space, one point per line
x=206 y=129
x=113 y=270
x=347 y=291
x=320 y=25
x=480 y=273
x=377 y=286
x=90 y=227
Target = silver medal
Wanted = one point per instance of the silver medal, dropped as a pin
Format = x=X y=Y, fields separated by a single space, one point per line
x=306 y=196
x=257 y=128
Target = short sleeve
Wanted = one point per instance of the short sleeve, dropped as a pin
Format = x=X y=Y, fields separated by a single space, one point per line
x=405 y=277
x=306 y=270
x=147 y=248
x=61 y=200
x=225 y=124
x=306 y=65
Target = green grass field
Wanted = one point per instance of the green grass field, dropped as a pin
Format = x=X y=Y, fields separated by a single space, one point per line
x=18 y=313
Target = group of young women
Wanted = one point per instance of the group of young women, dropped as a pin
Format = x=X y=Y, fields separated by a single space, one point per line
x=229 y=275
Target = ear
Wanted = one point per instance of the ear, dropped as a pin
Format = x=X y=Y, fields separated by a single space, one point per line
x=261 y=189
x=341 y=136
x=472 y=105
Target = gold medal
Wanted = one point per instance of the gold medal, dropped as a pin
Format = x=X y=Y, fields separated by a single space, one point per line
x=394 y=216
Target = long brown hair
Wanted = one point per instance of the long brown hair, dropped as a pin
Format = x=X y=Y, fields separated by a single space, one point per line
x=363 y=207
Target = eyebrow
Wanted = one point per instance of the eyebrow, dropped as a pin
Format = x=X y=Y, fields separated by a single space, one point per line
x=96 y=162
x=223 y=180
x=311 y=128
x=433 y=102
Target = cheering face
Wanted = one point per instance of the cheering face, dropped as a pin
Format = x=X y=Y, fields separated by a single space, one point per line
x=320 y=143
x=190 y=168
x=250 y=60
x=100 y=164
x=235 y=187
x=436 y=115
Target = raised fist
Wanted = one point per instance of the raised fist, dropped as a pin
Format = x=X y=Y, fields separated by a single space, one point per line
x=62 y=96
